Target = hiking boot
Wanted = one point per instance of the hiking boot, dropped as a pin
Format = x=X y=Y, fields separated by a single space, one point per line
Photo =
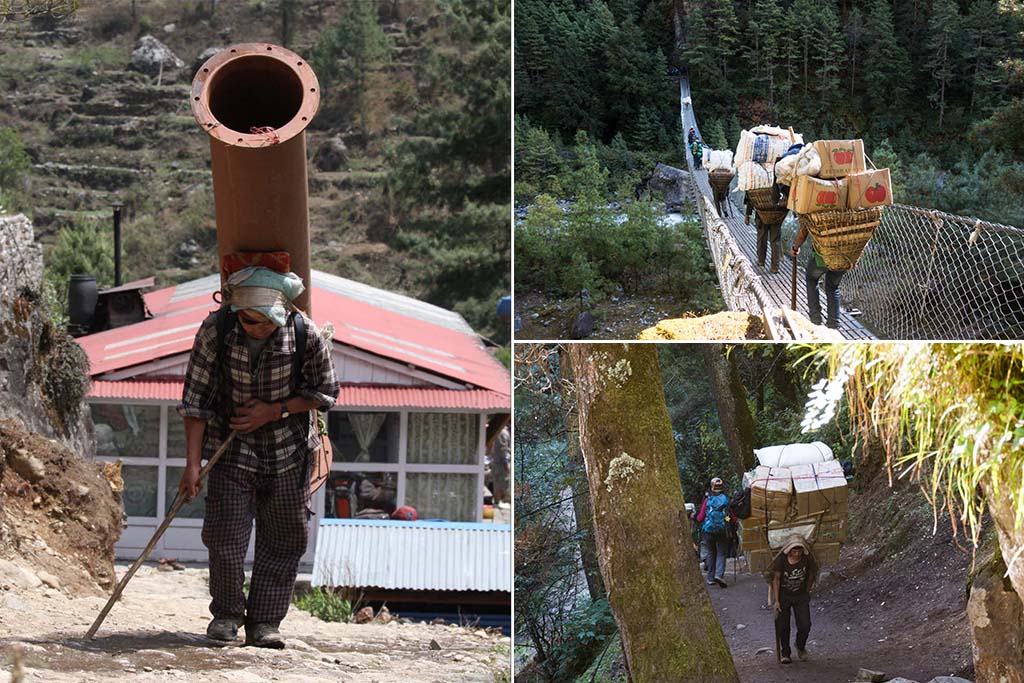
x=801 y=655
x=721 y=582
x=785 y=660
x=710 y=582
x=263 y=635
x=223 y=628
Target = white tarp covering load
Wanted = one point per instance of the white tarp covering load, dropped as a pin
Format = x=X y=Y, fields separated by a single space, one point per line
x=754 y=176
x=719 y=159
x=789 y=455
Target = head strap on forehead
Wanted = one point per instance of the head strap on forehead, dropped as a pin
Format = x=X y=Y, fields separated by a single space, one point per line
x=254 y=297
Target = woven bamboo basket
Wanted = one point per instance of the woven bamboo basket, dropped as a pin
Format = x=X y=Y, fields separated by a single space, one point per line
x=762 y=199
x=720 y=180
x=839 y=237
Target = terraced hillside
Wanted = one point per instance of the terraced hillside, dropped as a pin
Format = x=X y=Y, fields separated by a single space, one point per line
x=99 y=133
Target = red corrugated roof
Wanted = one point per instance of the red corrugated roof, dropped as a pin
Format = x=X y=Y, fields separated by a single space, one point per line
x=351 y=396
x=383 y=323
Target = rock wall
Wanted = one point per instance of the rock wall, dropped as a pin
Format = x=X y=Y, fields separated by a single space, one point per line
x=27 y=337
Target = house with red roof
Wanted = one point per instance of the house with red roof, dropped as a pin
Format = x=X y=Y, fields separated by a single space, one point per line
x=418 y=391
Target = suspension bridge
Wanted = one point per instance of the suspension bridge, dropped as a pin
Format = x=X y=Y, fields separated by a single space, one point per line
x=925 y=274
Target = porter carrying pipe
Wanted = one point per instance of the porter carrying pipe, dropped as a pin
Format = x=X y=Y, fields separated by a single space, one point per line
x=255 y=101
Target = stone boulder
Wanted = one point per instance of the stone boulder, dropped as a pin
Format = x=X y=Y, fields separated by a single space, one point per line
x=150 y=56
x=198 y=62
x=997 y=627
x=331 y=155
x=672 y=184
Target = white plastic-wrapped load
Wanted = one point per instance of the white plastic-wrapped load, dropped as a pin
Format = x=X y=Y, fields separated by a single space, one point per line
x=719 y=159
x=764 y=144
x=754 y=176
x=789 y=455
x=805 y=162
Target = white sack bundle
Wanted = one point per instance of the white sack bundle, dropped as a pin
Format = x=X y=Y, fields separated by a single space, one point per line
x=792 y=454
x=754 y=176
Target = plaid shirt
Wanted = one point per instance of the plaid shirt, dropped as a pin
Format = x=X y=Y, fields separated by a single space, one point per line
x=276 y=446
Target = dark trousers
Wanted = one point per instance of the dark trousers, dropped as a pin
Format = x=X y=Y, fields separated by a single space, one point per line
x=236 y=498
x=718 y=551
x=769 y=232
x=832 y=280
x=696 y=161
x=801 y=608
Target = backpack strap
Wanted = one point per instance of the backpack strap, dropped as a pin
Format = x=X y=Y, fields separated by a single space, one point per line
x=226 y=320
x=300 y=347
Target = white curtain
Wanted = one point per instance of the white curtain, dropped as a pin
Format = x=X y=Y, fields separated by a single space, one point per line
x=442 y=496
x=366 y=426
x=443 y=438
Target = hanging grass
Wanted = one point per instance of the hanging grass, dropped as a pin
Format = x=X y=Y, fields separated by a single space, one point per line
x=948 y=416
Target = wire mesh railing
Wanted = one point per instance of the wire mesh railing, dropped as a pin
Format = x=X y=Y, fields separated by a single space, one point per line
x=927 y=274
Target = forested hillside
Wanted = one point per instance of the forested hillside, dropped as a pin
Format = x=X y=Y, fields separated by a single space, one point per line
x=409 y=154
x=936 y=88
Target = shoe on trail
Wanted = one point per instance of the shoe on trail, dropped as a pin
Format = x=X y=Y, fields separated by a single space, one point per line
x=225 y=629
x=710 y=583
x=801 y=655
x=785 y=660
x=263 y=635
x=721 y=582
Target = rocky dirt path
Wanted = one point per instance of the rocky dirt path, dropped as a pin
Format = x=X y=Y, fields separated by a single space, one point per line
x=903 y=634
x=155 y=633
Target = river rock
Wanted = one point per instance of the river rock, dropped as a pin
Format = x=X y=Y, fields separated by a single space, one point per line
x=151 y=55
x=957 y=679
x=49 y=580
x=16 y=576
x=672 y=183
x=203 y=56
x=900 y=680
x=870 y=676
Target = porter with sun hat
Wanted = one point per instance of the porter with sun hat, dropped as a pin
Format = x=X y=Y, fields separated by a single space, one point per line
x=795 y=572
x=258 y=367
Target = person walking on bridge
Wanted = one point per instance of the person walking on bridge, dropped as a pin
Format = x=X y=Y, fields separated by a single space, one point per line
x=691 y=136
x=697 y=150
x=248 y=373
x=767 y=233
x=815 y=270
x=795 y=574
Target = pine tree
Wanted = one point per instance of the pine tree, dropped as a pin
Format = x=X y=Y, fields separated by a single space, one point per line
x=886 y=72
x=764 y=29
x=350 y=50
x=987 y=45
x=943 y=29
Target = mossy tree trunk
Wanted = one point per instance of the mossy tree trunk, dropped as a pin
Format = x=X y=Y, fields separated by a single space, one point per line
x=1011 y=537
x=731 y=403
x=668 y=628
x=581 y=492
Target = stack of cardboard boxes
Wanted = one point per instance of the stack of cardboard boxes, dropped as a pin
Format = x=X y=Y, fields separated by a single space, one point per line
x=803 y=500
x=843 y=181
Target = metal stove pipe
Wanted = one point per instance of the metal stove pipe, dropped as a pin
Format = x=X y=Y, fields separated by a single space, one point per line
x=255 y=101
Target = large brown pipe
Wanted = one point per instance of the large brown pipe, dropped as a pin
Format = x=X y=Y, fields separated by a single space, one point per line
x=260 y=186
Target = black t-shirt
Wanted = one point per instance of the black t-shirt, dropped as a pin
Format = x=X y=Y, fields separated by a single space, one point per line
x=795 y=577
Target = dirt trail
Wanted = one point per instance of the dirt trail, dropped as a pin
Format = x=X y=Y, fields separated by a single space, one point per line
x=913 y=631
x=155 y=633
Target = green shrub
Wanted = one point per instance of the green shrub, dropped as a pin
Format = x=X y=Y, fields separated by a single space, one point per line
x=325 y=605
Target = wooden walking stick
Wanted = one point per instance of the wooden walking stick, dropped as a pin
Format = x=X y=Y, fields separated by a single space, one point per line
x=792 y=298
x=178 y=504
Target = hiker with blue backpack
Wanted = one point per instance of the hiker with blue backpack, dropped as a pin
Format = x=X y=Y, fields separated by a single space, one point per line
x=715 y=521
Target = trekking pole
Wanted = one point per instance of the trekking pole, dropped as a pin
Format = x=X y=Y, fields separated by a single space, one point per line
x=792 y=298
x=179 y=502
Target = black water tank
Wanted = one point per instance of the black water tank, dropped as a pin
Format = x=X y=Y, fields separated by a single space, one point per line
x=82 y=295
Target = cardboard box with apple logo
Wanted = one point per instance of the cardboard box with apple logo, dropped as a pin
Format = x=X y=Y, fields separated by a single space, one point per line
x=810 y=195
x=868 y=189
x=840 y=158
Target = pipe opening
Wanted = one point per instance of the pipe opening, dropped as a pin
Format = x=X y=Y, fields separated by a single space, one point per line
x=255 y=92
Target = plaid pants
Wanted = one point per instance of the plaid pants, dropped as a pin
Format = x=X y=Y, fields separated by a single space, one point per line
x=234 y=499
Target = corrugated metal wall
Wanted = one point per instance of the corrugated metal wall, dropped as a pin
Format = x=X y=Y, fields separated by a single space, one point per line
x=413 y=556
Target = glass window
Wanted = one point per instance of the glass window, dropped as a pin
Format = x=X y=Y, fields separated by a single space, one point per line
x=140 y=485
x=194 y=510
x=126 y=431
x=443 y=438
x=364 y=437
x=365 y=495
x=175 y=434
x=451 y=497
